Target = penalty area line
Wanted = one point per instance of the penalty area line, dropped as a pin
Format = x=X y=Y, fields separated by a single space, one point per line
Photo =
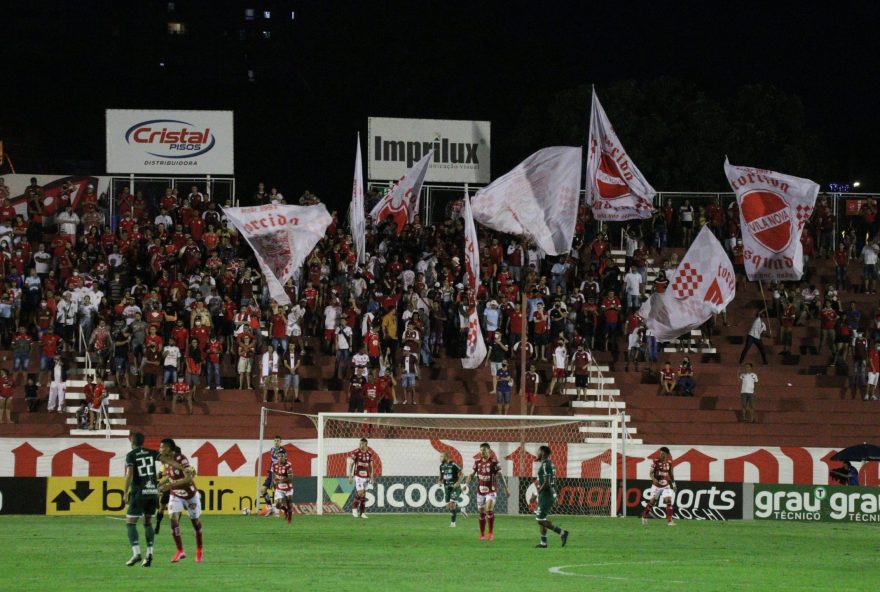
x=561 y=570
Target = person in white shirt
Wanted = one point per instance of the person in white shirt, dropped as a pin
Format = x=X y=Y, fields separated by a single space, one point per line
x=331 y=313
x=170 y=363
x=360 y=361
x=42 y=261
x=756 y=331
x=869 y=258
x=342 y=345
x=291 y=380
x=748 y=380
x=633 y=283
x=163 y=218
x=57 y=386
x=269 y=373
x=560 y=363
x=67 y=221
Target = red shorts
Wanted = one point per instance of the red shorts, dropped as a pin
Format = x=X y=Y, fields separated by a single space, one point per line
x=371 y=408
x=559 y=373
x=329 y=334
x=531 y=398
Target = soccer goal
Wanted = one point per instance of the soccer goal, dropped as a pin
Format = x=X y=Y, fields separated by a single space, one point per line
x=407 y=449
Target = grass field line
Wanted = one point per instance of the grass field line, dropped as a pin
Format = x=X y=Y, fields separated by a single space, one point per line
x=561 y=569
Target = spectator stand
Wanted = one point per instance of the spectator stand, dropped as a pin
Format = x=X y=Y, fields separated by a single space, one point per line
x=114 y=427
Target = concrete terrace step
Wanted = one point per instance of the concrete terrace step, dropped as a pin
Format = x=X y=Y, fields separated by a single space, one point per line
x=702 y=350
x=113 y=421
x=594 y=380
x=598 y=405
x=110 y=410
x=100 y=433
x=78 y=396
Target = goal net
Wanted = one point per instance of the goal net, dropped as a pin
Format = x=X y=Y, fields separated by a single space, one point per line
x=407 y=449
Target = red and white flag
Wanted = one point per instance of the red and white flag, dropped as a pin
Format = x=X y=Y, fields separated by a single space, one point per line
x=616 y=189
x=476 y=347
x=401 y=204
x=281 y=237
x=356 y=217
x=773 y=209
x=703 y=283
x=538 y=199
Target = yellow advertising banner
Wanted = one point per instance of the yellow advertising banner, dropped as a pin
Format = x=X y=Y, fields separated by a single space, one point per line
x=93 y=496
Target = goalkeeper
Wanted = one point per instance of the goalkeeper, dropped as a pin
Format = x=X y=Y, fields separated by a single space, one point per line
x=546 y=496
x=451 y=476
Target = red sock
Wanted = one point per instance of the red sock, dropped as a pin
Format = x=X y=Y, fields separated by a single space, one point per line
x=197 y=526
x=646 y=510
x=482 y=524
x=175 y=534
x=669 y=513
x=491 y=517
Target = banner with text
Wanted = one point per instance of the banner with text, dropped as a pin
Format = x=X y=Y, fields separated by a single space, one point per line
x=170 y=142
x=817 y=503
x=461 y=149
x=56 y=191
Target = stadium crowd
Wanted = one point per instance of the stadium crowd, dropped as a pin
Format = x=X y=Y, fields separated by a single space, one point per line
x=165 y=296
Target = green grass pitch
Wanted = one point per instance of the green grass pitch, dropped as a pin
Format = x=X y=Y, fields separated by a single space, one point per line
x=421 y=553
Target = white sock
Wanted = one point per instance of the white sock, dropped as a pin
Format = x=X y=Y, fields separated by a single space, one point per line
x=136 y=549
x=150 y=551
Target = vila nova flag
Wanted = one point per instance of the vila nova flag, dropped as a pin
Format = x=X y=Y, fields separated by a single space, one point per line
x=773 y=209
x=616 y=189
x=476 y=347
x=281 y=237
x=538 y=199
x=703 y=283
x=401 y=204
x=356 y=217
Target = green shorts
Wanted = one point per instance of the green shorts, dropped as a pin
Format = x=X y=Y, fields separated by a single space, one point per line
x=453 y=493
x=142 y=505
x=545 y=504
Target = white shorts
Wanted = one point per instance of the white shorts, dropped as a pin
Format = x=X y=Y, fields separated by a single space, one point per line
x=664 y=492
x=872 y=377
x=489 y=497
x=193 y=506
x=360 y=483
x=283 y=495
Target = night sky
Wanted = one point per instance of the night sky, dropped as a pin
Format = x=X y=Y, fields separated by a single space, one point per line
x=322 y=74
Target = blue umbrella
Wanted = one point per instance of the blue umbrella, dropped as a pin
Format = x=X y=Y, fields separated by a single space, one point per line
x=860 y=452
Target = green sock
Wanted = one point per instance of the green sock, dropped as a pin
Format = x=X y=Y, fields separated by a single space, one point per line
x=133 y=538
x=148 y=531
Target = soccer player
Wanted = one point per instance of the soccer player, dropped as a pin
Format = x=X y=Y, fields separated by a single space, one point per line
x=164 y=498
x=361 y=472
x=180 y=481
x=141 y=495
x=662 y=486
x=546 y=496
x=451 y=476
x=274 y=456
x=282 y=475
x=487 y=469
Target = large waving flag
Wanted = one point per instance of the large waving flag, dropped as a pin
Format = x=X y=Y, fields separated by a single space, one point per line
x=616 y=189
x=773 y=209
x=704 y=283
x=356 y=219
x=538 y=199
x=401 y=204
x=281 y=237
x=476 y=347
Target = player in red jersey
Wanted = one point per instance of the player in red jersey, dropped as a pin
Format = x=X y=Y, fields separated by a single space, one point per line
x=361 y=472
x=184 y=495
x=282 y=477
x=662 y=486
x=487 y=470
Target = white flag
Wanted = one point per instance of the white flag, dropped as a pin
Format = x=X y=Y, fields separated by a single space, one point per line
x=281 y=237
x=616 y=189
x=773 y=209
x=538 y=199
x=356 y=219
x=401 y=204
x=703 y=283
x=476 y=347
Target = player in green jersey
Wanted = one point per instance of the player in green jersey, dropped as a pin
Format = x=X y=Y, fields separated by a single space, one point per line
x=141 y=495
x=451 y=476
x=546 y=496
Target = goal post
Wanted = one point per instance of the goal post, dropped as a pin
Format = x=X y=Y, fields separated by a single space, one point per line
x=407 y=449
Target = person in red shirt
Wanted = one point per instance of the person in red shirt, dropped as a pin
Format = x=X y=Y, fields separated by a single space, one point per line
x=873 y=372
x=200 y=333
x=611 y=316
x=279 y=330
x=532 y=380
x=372 y=394
x=667 y=379
x=49 y=343
x=541 y=329
x=827 y=324
x=841 y=260
x=181 y=391
x=789 y=314
x=5 y=397
x=96 y=403
x=180 y=335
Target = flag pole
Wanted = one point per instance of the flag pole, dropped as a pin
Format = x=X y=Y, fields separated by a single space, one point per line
x=524 y=339
x=766 y=311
